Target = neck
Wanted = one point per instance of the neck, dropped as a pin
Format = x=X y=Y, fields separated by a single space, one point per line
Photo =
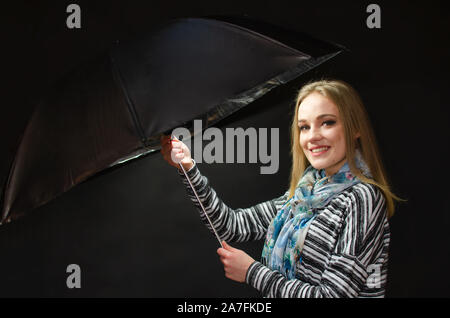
x=335 y=168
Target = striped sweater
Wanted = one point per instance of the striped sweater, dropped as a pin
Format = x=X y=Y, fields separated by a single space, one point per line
x=345 y=253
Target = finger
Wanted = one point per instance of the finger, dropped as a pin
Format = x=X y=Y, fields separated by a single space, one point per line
x=227 y=247
x=176 y=141
x=224 y=261
x=176 y=144
x=176 y=149
x=177 y=152
x=177 y=157
x=223 y=252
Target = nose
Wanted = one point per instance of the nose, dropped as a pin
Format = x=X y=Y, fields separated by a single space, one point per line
x=314 y=135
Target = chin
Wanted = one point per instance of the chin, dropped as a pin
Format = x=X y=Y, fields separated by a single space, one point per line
x=318 y=164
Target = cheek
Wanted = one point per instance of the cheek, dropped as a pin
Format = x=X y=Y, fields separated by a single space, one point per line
x=338 y=140
x=340 y=149
x=302 y=141
x=304 y=147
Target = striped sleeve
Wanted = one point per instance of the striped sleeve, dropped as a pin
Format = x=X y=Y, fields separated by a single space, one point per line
x=362 y=244
x=232 y=225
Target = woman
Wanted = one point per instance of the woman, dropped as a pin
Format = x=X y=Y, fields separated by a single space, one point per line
x=328 y=235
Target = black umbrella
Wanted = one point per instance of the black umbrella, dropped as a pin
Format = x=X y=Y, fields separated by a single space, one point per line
x=115 y=108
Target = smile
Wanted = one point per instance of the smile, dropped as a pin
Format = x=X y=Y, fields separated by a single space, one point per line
x=320 y=150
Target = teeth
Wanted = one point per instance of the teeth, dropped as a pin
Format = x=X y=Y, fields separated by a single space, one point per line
x=319 y=149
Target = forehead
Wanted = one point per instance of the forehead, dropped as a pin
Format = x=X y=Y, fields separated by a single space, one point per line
x=314 y=105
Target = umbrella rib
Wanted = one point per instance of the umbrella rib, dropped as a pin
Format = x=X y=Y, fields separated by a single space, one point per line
x=131 y=108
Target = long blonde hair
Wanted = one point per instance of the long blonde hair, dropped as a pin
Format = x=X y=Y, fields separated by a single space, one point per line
x=355 y=120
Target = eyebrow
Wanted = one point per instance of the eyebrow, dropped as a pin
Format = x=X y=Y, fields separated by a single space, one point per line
x=319 y=117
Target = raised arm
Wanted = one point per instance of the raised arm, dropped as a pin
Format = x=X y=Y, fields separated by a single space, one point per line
x=231 y=224
x=238 y=225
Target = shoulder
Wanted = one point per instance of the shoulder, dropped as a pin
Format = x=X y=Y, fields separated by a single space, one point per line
x=365 y=202
x=362 y=194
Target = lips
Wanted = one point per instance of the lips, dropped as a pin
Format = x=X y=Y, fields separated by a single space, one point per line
x=319 y=150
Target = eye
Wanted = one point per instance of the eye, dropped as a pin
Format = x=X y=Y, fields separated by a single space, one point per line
x=303 y=127
x=329 y=122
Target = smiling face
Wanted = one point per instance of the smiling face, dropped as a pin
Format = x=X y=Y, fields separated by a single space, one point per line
x=322 y=137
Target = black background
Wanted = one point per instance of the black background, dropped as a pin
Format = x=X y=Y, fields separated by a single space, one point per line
x=133 y=231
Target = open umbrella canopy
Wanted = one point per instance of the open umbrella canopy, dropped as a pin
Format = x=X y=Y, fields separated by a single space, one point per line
x=115 y=108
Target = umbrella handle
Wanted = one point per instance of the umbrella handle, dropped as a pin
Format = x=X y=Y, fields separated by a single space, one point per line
x=198 y=200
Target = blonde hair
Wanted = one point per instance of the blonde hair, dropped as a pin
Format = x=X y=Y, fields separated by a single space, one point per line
x=355 y=120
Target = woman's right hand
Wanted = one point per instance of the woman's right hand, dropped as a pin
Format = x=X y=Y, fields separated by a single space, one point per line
x=175 y=151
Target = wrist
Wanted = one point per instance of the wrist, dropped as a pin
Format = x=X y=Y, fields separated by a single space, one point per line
x=248 y=275
x=187 y=165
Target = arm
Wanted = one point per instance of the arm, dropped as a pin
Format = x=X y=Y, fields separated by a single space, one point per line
x=231 y=224
x=363 y=241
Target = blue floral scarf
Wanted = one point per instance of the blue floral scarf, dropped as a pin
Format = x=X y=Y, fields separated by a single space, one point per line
x=285 y=235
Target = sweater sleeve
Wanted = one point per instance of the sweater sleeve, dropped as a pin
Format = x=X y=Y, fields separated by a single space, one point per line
x=361 y=245
x=232 y=225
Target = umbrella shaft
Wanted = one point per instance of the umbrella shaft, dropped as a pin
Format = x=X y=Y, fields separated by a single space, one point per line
x=200 y=202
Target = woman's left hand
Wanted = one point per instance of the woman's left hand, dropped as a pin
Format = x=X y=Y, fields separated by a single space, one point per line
x=235 y=262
